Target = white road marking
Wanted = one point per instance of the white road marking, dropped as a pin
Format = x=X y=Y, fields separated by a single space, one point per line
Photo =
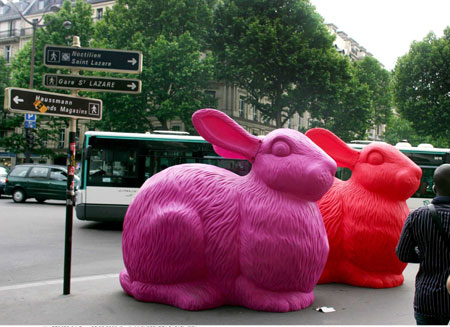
x=57 y=281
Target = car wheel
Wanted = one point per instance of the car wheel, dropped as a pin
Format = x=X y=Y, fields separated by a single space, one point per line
x=40 y=200
x=19 y=196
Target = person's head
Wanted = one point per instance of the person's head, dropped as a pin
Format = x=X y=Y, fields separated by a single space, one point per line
x=441 y=179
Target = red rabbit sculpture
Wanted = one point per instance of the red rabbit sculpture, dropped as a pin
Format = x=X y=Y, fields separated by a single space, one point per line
x=364 y=216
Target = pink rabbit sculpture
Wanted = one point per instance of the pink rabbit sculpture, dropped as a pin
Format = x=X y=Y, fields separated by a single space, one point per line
x=197 y=236
x=364 y=216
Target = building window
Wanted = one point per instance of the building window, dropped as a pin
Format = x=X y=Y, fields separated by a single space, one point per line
x=62 y=138
x=7 y=53
x=41 y=4
x=255 y=114
x=241 y=107
x=99 y=13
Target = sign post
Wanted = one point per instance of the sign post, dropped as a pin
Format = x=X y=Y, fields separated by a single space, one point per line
x=32 y=102
x=76 y=58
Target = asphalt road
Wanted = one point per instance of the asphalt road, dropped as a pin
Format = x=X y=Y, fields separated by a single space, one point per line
x=31 y=272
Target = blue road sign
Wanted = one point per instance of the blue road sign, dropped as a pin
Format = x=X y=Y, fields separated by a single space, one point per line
x=30 y=120
x=30 y=124
x=30 y=117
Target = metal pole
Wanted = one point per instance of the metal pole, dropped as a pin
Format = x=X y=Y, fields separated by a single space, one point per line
x=70 y=199
x=33 y=50
x=28 y=130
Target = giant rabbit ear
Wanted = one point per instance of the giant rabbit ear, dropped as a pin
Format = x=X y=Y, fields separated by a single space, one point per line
x=228 y=138
x=334 y=147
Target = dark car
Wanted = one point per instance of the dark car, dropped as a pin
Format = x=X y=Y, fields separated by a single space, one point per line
x=3 y=174
x=42 y=182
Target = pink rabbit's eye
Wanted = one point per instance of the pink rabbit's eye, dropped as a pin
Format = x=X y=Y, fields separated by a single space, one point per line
x=375 y=158
x=281 y=149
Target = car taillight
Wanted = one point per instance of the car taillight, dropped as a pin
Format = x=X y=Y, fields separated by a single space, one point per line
x=6 y=180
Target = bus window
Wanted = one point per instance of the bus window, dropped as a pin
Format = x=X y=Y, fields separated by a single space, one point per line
x=110 y=167
x=425 y=189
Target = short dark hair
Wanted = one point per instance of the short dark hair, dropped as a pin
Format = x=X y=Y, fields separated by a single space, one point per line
x=441 y=179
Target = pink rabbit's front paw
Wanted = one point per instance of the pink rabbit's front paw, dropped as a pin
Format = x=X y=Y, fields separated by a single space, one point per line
x=250 y=296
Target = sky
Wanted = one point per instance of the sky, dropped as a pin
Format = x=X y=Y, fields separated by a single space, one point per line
x=386 y=28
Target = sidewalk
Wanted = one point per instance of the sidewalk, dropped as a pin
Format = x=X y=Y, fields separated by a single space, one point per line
x=99 y=300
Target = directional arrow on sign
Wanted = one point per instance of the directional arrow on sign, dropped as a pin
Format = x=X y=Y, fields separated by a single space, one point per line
x=17 y=100
x=132 y=61
x=132 y=86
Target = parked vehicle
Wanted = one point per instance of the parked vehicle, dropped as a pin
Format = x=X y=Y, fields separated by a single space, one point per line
x=42 y=182
x=3 y=174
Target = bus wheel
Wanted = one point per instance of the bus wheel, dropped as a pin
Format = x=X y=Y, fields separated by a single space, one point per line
x=19 y=195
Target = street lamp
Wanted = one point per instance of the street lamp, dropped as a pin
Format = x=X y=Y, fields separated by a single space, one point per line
x=35 y=23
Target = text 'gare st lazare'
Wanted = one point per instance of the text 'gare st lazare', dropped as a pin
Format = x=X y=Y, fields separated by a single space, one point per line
x=90 y=83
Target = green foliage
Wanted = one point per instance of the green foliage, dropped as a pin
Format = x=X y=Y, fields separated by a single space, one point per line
x=272 y=49
x=346 y=109
x=422 y=84
x=378 y=80
x=4 y=79
x=175 y=73
x=80 y=16
x=399 y=129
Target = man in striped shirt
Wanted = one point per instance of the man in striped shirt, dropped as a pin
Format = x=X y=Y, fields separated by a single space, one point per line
x=420 y=242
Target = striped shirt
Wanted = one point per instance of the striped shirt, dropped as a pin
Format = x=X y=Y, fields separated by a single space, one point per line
x=421 y=242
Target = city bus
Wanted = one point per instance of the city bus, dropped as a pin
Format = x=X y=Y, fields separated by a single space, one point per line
x=115 y=165
x=426 y=157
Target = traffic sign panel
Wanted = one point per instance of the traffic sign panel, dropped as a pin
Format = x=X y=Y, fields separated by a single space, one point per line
x=30 y=117
x=92 y=83
x=93 y=59
x=52 y=104
x=30 y=124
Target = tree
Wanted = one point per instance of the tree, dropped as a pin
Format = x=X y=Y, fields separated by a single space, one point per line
x=346 y=109
x=279 y=51
x=4 y=78
x=422 y=86
x=399 y=129
x=378 y=80
x=80 y=15
x=171 y=36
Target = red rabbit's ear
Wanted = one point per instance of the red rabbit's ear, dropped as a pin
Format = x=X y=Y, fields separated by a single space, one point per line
x=334 y=147
x=228 y=138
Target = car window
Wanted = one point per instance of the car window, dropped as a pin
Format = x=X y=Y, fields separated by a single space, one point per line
x=19 y=171
x=3 y=171
x=58 y=175
x=38 y=172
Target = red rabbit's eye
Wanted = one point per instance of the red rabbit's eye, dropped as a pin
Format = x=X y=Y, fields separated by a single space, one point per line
x=375 y=158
